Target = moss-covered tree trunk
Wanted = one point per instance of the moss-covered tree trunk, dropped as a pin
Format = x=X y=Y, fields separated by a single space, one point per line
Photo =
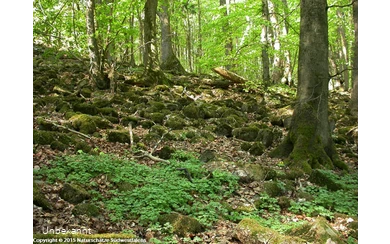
x=152 y=73
x=169 y=61
x=94 y=56
x=309 y=143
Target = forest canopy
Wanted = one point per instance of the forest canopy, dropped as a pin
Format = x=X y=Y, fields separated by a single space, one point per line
x=258 y=40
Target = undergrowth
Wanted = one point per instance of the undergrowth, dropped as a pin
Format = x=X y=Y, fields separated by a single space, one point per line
x=137 y=191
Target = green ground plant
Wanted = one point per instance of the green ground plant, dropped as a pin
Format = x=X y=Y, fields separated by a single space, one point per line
x=151 y=191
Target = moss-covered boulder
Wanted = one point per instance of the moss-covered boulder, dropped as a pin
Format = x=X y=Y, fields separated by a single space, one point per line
x=157 y=117
x=223 y=128
x=88 y=209
x=158 y=129
x=175 y=122
x=85 y=108
x=325 y=178
x=101 y=103
x=74 y=193
x=83 y=146
x=246 y=133
x=121 y=136
x=249 y=172
x=39 y=198
x=83 y=123
x=130 y=119
x=267 y=136
x=182 y=225
x=256 y=149
x=156 y=106
x=318 y=231
x=107 y=111
x=192 y=111
x=56 y=140
x=249 y=231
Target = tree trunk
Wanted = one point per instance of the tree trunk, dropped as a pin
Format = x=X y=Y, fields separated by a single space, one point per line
x=94 y=56
x=353 y=106
x=200 y=51
x=224 y=4
x=132 y=58
x=169 y=61
x=152 y=73
x=265 y=44
x=309 y=143
x=344 y=55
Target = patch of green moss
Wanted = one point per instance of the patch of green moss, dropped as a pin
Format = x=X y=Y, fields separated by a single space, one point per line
x=121 y=136
x=39 y=198
x=182 y=225
x=74 y=193
x=257 y=149
x=175 y=122
x=318 y=231
x=155 y=117
x=82 y=145
x=85 y=108
x=130 y=119
x=88 y=209
x=42 y=137
x=108 y=111
x=83 y=123
x=192 y=111
x=101 y=103
x=246 y=146
x=158 y=129
x=86 y=92
x=56 y=145
x=246 y=133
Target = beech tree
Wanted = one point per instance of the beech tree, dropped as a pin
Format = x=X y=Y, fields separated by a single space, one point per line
x=95 y=68
x=353 y=106
x=169 y=61
x=152 y=72
x=309 y=143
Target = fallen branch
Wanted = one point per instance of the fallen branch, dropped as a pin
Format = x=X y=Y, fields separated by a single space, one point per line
x=66 y=128
x=229 y=75
x=147 y=154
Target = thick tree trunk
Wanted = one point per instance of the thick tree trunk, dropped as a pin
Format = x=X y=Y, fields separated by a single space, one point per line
x=152 y=73
x=309 y=143
x=94 y=56
x=353 y=106
x=169 y=61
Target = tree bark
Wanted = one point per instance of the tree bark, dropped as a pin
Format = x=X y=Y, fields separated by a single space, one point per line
x=265 y=44
x=152 y=73
x=309 y=143
x=229 y=75
x=95 y=68
x=353 y=106
x=169 y=61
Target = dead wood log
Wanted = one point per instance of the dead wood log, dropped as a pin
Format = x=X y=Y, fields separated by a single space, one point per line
x=229 y=75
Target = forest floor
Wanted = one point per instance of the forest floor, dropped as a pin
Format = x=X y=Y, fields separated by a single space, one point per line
x=226 y=148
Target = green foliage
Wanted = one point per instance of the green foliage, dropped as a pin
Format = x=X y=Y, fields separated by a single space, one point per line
x=327 y=202
x=268 y=203
x=159 y=189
